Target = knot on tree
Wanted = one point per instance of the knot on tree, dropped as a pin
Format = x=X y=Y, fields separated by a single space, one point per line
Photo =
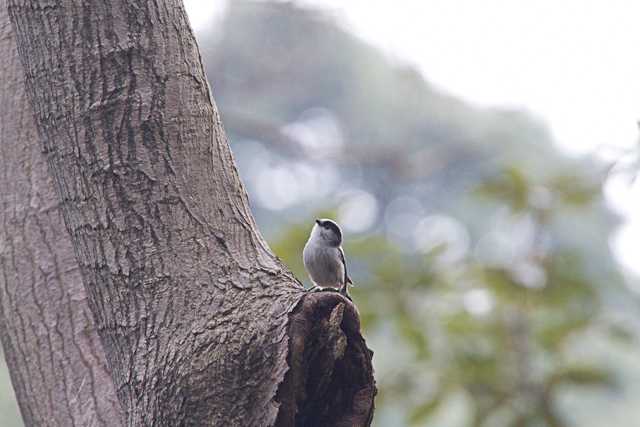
x=330 y=379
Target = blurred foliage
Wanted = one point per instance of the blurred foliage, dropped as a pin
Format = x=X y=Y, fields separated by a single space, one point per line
x=500 y=333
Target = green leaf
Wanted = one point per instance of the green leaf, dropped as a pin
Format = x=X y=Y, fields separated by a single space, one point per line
x=423 y=411
x=583 y=375
x=574 y=190
x=555 y=332
x=511 y=187
x=414 y=334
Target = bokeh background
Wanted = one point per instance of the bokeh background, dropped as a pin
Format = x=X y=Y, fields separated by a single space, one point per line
x=481 y=158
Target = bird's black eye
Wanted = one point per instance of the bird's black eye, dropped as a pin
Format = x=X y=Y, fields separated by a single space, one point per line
x=329 y=225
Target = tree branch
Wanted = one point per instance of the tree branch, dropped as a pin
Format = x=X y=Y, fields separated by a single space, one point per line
x=330 y=381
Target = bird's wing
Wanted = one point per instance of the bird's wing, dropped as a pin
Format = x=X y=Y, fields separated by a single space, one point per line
x=346 y=279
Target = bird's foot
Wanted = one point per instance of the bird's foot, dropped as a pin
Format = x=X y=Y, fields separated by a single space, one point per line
x=343 y=292
x=317 y=288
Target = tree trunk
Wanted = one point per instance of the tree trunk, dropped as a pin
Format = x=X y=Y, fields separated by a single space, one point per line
x=199 y=321
x=55 y=358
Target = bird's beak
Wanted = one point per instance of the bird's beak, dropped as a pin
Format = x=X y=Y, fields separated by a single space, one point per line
x=318 y=221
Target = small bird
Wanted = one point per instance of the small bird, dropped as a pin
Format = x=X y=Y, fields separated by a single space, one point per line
x=324 y=259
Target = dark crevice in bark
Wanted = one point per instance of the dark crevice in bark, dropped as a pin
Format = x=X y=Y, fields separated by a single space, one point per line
x=330 y=379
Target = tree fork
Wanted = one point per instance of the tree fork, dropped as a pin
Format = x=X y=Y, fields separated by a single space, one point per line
x=200 y=323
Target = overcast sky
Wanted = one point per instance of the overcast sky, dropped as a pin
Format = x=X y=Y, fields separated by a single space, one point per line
x=573 y=63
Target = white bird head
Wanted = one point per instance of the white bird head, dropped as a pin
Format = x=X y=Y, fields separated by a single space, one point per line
x=326 y=232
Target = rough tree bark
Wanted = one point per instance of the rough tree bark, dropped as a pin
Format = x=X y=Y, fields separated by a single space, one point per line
x=53 y=352
x=200 y=323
